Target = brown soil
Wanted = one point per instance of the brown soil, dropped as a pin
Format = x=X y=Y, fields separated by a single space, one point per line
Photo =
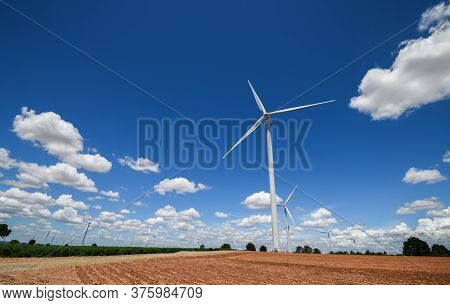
x=233 y=267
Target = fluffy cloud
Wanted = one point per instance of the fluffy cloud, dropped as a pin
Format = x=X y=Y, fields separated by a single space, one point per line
x=141 y=164
x=5 y=161
x=18 y=202
x=446 y=157
x=423 y=204
x=435 y=229
x=252 y=221
x=419 y=75
x=414 y=176
x=124 y=211
x=321 y=218
x=437 y=14
x=38 y=176
x=259 y=200
x=67 y=201
x=68 y=215
x=441 y=213
x=221 y=215
x=178 y=185
x=59 y=138
x=155 y=220
x=179 y=220
x=109 y=217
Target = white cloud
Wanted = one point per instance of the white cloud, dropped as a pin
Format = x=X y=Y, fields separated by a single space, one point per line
x=423 y=204
x=252 y=221
x=68 y=215
x=141 y=164
x=156 y=220
x=67 y=201
x=420 y=74
x=5 y=161
x=110 y=194
x=320 y=218
x=124 y=211
x=109 y=217
x=260 y=200
x=437 y=14
x=97 y=207
x=446 y=157
x=441 y=213
x=178 y=185
x=221 y=215
x=38 y=176
x=59 y=138
x=18 y=202
x=414 y=176
x=436 y=228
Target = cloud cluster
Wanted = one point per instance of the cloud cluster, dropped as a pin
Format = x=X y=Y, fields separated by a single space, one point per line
x=446 y=157
x=320 y=218
x=418 y=76
x=252 y=221
x=423 y=204
x=178 y=185
x=429 y=176
x=17 y=202
x=5 y=160
x=141 y=164
x=260 y=200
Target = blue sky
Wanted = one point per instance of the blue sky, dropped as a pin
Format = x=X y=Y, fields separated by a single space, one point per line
x=197 y=58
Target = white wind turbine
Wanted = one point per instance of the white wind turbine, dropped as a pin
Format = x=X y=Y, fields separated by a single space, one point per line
x=328 y=235
x=287 y=226
x=266 y=117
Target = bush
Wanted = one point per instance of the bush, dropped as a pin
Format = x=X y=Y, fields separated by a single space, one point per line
x=317 y=251
x=414 y=246
x=202 y=247
x=299 y=249
x=307 y=249
x=32 y=242
x=439 y=250
x=225 y=247
x=250 y=247
x=263 y=249
x=14 y=241
x=94 y=245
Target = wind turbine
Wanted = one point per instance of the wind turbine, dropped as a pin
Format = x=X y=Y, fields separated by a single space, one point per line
x=287 y=226
x=85 y=232
x=329 y=236
x=354 y=243
x=273 y=196
x=46 y=236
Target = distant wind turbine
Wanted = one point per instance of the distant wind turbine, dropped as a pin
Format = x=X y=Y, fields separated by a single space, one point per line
x=273 y=196
x=287 y=226
x=328 y=235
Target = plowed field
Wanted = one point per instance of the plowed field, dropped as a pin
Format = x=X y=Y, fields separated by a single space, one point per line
x=233 y=267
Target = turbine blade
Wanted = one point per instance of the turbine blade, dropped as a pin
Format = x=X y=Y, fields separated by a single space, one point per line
x=290 y=195
x=330 y=229
x=256 y=125
x=290 y=215
x=258 y=101
x=283 y=229
x=299 y=107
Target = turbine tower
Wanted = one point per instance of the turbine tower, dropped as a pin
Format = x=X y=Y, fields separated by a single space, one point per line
x=287 y=226
x=266 y=117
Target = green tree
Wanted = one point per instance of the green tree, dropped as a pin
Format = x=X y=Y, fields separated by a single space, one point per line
x=32 y=242
x=317 y=251
x=4 y=230
x=202 y=247
x=14 y=241
x=94 y=245
x=307 y=249
x=414 y=246
x=299 y=249
x=225 y=247
x=251 y=247
x=263 y=249
x=439 y=250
